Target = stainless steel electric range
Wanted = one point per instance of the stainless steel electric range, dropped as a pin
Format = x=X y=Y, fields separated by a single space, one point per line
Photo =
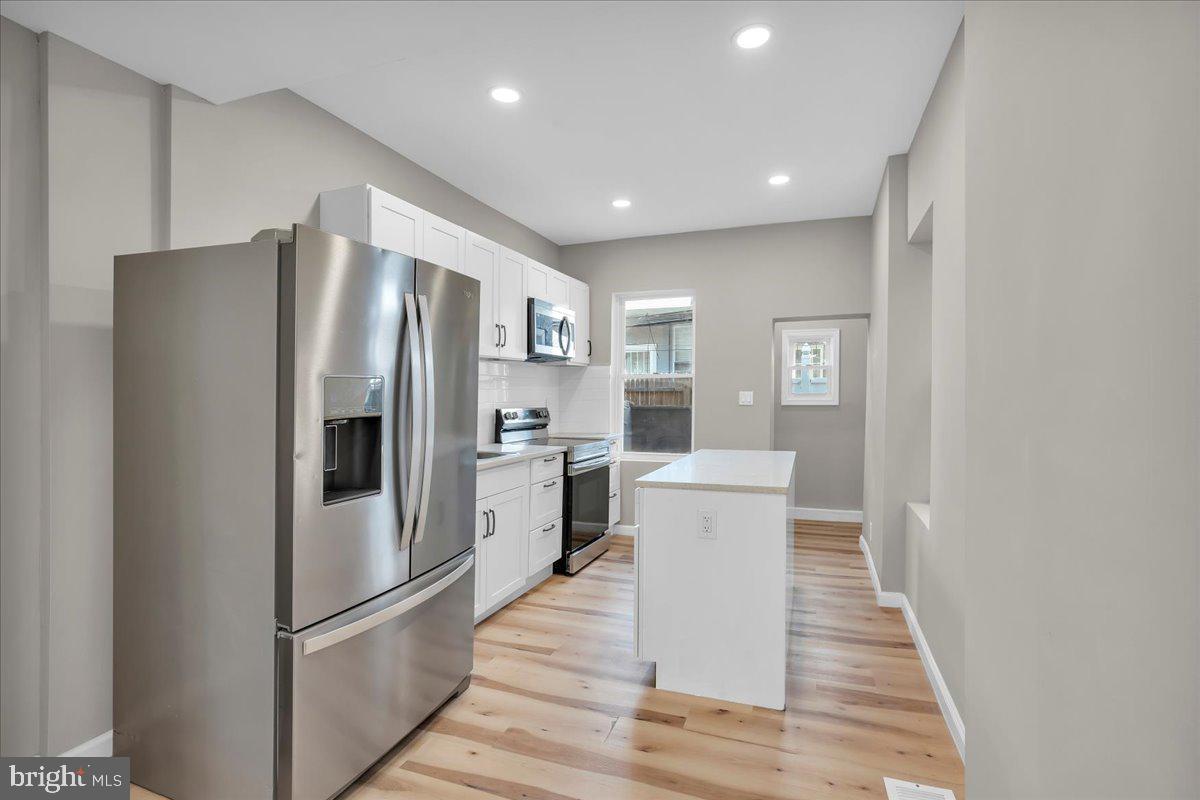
x=585 y=502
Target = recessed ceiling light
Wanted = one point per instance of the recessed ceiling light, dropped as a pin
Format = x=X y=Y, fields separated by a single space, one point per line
x=778 y=180
x=621 y=202
x=752 y=36
x=504 y=94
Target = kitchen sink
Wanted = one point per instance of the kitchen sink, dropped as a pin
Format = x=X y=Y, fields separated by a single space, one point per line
x=482 y=456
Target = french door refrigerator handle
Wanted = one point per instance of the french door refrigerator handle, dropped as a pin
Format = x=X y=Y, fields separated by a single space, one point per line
x=427 y=468
x=418 y=416
x=352 y=629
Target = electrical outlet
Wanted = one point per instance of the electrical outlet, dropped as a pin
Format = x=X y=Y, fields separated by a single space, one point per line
x=708 y=523
x=745 y=398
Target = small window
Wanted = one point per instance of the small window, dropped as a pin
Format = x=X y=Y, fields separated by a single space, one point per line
x=810 y=368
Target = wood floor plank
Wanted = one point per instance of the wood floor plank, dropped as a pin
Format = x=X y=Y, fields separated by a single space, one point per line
x=559 y=708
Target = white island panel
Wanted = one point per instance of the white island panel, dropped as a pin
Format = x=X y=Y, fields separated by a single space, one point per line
x=713 y=611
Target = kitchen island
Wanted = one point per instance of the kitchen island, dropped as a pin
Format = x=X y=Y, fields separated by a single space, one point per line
x=713 y=574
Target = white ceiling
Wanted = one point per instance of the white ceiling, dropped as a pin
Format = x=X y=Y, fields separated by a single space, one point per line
x=647 y=100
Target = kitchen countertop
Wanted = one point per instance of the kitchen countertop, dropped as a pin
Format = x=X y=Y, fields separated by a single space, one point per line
x=754 y=471
x=513 y=453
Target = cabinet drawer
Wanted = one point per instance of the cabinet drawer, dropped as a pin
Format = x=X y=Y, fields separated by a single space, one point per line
x=614 y=508
x=544 y=468
x=500 y=479
x=614 y=477
x=545 y=545
x=545 y=501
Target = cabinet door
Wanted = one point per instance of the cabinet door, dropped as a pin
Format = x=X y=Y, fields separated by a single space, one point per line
x=580 y=304
x=482 y=262
x=482 y=524
x=505 y=556
x=443 y=242
x=614 y=508
x=395 y=224
x=558 y=288
x=537 y=280
x=511 y=308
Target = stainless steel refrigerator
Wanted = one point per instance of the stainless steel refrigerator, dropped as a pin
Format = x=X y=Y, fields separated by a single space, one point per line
x=294 y=437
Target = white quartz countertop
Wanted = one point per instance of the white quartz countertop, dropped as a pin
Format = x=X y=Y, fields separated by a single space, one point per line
x=755 y=471
x=513 y=454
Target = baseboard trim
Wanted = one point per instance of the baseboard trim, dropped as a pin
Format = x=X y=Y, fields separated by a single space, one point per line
x=885 y=599
x=98 y=747
x=825 y=514
x=625 y=530
x=954 y=720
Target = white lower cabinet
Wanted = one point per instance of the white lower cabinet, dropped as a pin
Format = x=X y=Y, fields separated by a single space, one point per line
x=545 y=545
x=483 y=527
x=545 y=502
x=614 y=508
x=518 y=527
x=504 y=545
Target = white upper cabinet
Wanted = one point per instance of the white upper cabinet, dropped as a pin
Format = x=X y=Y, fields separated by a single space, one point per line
x=482 y=262
x=547 y=283
x=374 y=217
x=443 y=243
x=581 y=305
x=511 y=307
x=506 y=278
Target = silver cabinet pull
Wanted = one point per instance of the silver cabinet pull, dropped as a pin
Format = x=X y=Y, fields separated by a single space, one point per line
x=349 y=630
x=549 y=528
x=497 y=334
x=550 y=485
x=492 y=514
x=418 y=416
x=548 y=460
x=612 y=496
x=430 y=405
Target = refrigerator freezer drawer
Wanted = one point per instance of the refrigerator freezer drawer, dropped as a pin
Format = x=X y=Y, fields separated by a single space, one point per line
x=360 y=682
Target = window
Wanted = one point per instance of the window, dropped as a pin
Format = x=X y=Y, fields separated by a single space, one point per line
x=810 y=368
x=656 y=372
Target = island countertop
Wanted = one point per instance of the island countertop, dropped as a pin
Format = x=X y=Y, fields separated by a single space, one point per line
x=755 y=471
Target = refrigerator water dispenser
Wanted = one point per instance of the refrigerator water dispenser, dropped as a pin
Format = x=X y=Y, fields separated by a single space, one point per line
x=353 y=437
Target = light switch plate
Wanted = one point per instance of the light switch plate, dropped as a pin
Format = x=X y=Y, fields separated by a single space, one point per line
x=745 y=398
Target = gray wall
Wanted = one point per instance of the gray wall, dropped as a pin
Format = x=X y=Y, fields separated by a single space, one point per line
x=22 y=350
x=936 y=191
x=743 y=279
x=1082 y=170
x=898 y=410
x=261 y=162
x=128 y=166
x=828 y=440
x=105 y=163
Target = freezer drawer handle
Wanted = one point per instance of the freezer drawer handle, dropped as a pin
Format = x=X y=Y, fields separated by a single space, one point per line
x=338 y=635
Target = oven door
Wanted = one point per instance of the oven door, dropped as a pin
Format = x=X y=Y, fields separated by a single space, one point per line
x=585 y=536
x=551 y=331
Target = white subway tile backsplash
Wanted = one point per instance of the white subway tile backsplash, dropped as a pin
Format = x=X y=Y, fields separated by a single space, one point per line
x=576 y=396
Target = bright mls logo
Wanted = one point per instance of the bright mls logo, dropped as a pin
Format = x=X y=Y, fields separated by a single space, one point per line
x=100 y=778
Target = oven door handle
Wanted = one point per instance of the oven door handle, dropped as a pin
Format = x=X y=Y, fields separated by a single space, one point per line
x=588 y=466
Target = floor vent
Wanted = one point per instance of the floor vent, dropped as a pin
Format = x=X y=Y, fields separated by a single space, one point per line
x=903 y=790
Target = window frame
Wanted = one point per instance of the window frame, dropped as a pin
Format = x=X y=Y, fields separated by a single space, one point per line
x=617 y=368
x=790 y=338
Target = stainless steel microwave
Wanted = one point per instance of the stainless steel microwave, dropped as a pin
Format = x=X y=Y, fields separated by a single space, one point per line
x=551 y=331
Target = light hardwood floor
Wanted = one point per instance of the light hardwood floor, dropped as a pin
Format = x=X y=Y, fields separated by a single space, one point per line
x=559 y=708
